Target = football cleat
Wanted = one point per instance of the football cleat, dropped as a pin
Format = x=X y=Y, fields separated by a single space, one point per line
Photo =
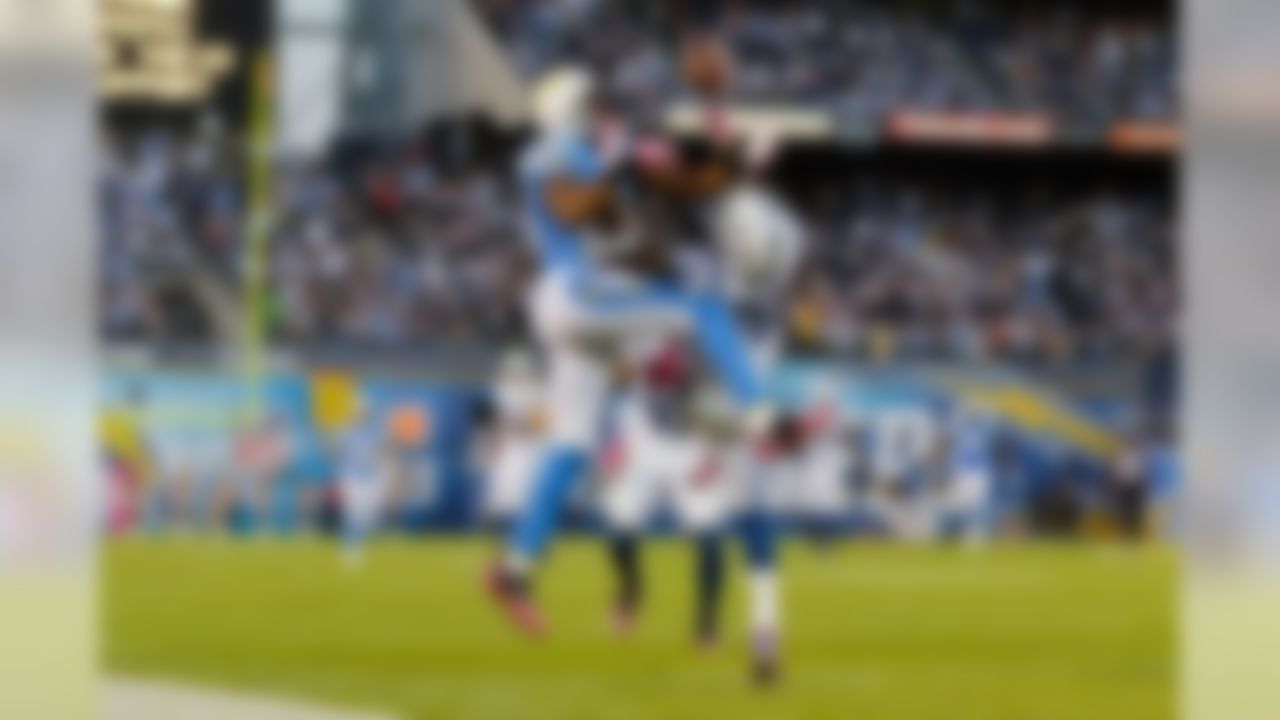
x=513 y=598
x=765 y=662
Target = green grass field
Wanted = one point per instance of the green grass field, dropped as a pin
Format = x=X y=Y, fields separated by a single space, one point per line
x=876 y=632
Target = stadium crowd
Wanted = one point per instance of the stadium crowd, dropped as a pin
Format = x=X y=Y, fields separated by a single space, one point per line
x=404 y=254
x=908 y=271
x=864 y=59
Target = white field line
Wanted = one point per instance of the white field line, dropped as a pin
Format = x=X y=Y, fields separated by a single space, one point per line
x=156 y=700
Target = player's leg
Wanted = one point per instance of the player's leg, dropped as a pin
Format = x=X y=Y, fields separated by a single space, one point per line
x=764 y=496
x=707 y=316
x=702 y=500
x=719 y=335
x=625 y=558
x=760 y=540
x=626 y=504
x=577 y=386
x=710 y=569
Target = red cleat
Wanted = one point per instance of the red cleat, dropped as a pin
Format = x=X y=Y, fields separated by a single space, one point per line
x=512 y=596
x=624 y=620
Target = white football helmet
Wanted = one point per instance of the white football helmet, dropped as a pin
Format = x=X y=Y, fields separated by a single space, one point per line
x=561 y=99
x=759 y=239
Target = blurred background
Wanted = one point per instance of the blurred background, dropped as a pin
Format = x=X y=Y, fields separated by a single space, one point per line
x=308 y=205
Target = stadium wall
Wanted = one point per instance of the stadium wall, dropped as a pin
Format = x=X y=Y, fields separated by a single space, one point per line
x=156 y=422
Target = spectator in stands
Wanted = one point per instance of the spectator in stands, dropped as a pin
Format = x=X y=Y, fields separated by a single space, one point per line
x=865 y=59
x=403 y=254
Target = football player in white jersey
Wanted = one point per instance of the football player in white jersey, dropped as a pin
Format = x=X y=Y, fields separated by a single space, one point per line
x=761 y=245
x=677 y=440
x=661 y=453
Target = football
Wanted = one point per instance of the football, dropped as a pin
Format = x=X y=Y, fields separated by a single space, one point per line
x=707 y=65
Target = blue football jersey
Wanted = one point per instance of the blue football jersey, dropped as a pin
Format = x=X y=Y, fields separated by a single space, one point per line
x=558 y=245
